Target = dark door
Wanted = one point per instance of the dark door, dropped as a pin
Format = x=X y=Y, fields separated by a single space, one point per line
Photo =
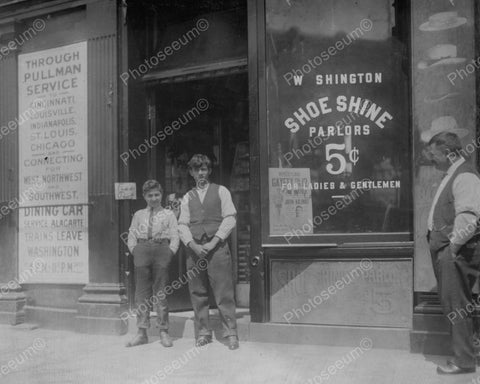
x=211 y=117
x=197 y=102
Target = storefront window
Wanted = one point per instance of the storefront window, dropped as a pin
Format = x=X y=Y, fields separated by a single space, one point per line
x=338 y=118
x=444 y=99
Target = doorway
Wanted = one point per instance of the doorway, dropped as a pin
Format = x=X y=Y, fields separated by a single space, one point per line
x=208 y=116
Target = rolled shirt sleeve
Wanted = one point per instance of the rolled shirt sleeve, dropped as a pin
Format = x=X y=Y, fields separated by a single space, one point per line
x=132 y=233
x=466 y=193
x=184 y=221
x=173 y=232
x=228 y=213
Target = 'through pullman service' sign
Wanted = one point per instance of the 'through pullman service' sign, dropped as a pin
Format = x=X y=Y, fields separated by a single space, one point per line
x=53 y=132
x=53 y=164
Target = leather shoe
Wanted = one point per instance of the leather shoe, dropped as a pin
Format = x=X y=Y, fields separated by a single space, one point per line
x=139 y=339
x=477 y=358
x=165 y=339
x=477 y=350
x=451 y=369
x=232 y=342
x=203 y=340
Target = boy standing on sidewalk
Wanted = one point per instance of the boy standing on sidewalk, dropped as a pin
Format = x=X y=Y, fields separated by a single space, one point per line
x=152 y=240
x=206 y=220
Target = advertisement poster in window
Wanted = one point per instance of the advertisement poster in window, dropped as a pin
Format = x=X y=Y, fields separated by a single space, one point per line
x=290 y=201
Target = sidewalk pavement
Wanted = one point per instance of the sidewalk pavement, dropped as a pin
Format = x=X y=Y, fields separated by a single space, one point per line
x=38 y=356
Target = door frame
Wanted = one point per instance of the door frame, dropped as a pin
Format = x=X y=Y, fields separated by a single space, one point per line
x=257 y=109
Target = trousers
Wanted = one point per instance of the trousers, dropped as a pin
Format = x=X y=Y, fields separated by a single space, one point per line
x=151 y=262
x=455 y=280
x=219 y=275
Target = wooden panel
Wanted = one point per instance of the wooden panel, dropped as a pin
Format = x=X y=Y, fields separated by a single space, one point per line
x=366 y=292
x=206 y=38
x=45 y=30
x=103 y=145
x=57 y=304
x=103 y=240
x=8 y=168
x=65 y=28
x=8 y=141
x=101 y=114
x=8 y=247
x=258 y=295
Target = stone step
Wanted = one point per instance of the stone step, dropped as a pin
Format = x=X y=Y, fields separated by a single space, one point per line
x=430 y=322
x=182 y=326
x=430 y=343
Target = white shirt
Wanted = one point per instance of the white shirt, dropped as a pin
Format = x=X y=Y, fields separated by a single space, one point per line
x=228 y=214
x=440 y=189
x=466 y=194
x=164 y=226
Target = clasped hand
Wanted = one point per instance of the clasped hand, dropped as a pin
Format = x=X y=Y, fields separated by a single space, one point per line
x=454 y=249
x=203 y=250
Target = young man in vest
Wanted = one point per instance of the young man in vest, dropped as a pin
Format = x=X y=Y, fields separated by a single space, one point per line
x=455 y=245
x=206 y=220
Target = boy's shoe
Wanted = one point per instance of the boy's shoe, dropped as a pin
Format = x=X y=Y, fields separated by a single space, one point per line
x=203 y=340
x=165 y=339
x=139 y=339
x=232 y=342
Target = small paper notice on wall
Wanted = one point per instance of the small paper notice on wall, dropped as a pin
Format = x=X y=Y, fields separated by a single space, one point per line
x=125 y=191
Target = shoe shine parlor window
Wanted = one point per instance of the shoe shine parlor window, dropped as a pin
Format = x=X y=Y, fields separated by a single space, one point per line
x=338 y=121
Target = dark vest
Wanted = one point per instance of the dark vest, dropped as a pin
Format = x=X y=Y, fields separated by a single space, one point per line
x=444 y=212
x=205 y=219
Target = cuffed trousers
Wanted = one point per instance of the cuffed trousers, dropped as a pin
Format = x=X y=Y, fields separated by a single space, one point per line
x=219 y=275
x=455 y=278
x=151 y=262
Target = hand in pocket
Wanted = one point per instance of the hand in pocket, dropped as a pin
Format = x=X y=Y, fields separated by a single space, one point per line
x=133 y=250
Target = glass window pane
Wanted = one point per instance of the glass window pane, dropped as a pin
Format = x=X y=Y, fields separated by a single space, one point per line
x=338 y=118
x=444 y=99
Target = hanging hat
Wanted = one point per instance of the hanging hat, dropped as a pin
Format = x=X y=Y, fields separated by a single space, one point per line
x=440 y=97
x=443 y=124
x=441 y=54
x=440 y=90
x=443 y=20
